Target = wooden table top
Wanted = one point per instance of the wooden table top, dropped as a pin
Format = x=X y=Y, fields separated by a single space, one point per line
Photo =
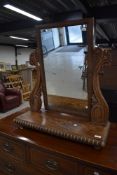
x=105 y=157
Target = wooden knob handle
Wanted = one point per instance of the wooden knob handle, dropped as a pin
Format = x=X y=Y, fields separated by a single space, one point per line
x=96 y=173
x=7 y=147
x=51 y=164
x=10 y=168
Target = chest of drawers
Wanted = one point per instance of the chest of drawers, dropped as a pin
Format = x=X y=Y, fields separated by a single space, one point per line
x=27 y=152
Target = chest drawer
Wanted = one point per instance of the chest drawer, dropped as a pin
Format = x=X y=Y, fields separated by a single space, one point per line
x=16 y=149
x=95 y=171
x=10 y=166
x=51 y=163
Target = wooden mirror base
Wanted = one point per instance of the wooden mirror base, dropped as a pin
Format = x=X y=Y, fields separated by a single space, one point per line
x=66 y=126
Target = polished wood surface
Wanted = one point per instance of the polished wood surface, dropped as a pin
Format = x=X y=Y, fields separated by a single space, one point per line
x=44 y=153
x=35 y=96
x=100 y=109
x=69 y=105
x=75 y=128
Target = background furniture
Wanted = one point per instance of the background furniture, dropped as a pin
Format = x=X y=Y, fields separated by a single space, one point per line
x=2 y=66
x=27 y=75
x=25 y=71
x=16 y=81
x=9 y=98
x=28 y=152
x=108 y=79
x=111 y=98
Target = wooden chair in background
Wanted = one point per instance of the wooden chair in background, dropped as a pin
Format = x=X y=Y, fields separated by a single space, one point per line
x=16 y=81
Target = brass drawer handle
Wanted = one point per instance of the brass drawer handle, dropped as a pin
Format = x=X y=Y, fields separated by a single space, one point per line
x=51 y=164
x=10 y=168
x=96 y=173
x=7 y=147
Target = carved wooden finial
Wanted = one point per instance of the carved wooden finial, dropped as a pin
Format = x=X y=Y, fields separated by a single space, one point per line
x=100 y=109
x=35 y=96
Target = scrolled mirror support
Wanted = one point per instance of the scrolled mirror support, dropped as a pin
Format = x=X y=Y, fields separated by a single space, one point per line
x=100 y=109
x=35 y=96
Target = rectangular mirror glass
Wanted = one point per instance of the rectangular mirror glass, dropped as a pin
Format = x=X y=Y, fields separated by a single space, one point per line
x=65 y=64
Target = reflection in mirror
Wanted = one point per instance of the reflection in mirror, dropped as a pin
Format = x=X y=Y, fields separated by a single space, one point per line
x=65 y=63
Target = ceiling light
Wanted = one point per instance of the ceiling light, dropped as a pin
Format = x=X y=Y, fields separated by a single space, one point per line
x=22 y=12
x=21 y=45
x=15 y=37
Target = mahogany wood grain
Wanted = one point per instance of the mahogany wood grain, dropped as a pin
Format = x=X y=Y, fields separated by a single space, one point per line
x=72 y=127
x=68 y=105
x=12 y=148
x=35 y=96
x=87 y=158
x=9 y=165
x=100 y=109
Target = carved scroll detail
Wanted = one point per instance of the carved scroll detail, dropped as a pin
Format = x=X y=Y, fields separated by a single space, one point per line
x=100 y=110
x=35 y=96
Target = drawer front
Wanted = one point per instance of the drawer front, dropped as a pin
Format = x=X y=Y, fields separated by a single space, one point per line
x=10 y=166
x=52 y=164
x=16 y=149
x=1 y=173
x=95 y=171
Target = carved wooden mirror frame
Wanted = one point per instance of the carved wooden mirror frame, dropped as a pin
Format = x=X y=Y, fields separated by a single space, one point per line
x=95 y=129
x=90 y=43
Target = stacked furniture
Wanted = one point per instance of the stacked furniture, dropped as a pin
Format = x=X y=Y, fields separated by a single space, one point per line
x=16 y=81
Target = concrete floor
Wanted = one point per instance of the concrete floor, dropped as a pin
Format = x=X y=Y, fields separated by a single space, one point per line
x=63 y=74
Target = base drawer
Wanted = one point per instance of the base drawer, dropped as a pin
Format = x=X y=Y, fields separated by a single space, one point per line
x=10 y=166
x=16 y=149
x=51 y=163
x=96 y=171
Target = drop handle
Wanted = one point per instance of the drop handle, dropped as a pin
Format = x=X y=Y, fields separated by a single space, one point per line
x=10 y=168
x=96 y=173
x=7 y=147
x=51 y=164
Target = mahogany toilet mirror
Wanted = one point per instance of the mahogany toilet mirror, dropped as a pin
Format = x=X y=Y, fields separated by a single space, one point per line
x=84 y=121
